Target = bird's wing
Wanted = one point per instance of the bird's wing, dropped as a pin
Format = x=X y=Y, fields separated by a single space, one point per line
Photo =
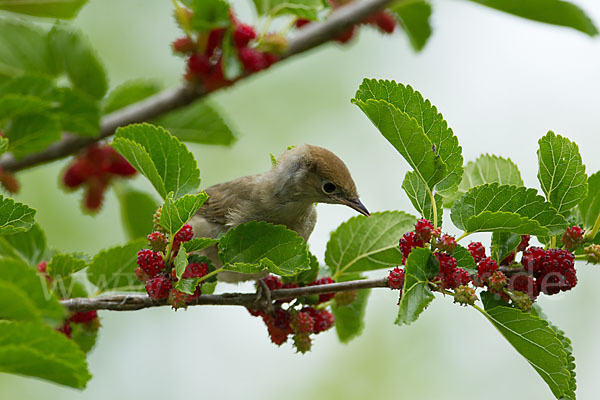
x=225 y=198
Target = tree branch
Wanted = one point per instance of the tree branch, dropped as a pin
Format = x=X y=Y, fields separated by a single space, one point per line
x=309 y=37
x=130 y=302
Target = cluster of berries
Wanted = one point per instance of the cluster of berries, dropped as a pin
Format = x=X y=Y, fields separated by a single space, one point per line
x=450 y=276
x=299 y=323
x=383 y=20
x=158 y=272
x=93 y=169
x=88 y=319
x=543 y=271
x=205 y=51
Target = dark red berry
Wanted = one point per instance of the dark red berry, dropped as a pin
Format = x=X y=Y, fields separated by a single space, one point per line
x=302 y=322
x=215 y=38
x=423 y=230
x=408 y=242
x=42 y=267
x=346 y=36
x=485 y=268
x=94 y=194
x=157 y=241
x=65 y=329
x=524 y=243
x=252 y=59
x=199 y=65
x=524 y=283
x=447 y=263
x=84 y=317
x=446 y=243
x=460 y=276
x=385 y=21
x=151 y=262
x=508 y=259
x=185 y=234
x=273 y=282
x=195 y=270
x=477 y=251
x=243 y=34
x=9 y=182
x=573 y=238
x=300 y=22
x=183 y=45
x=396 y=278
x=532 y=260
x=324 y=281
x=324 y=320
x=158 y=287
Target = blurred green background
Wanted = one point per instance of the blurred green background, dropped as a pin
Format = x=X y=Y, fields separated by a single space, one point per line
x=501 y=83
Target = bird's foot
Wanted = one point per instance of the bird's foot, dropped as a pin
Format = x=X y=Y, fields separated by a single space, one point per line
x=263 y=296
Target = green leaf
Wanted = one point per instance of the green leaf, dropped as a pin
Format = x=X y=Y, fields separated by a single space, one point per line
x=24 y=294
x=78 y=113
x=198 y=123
x=503 y=244
x=129 y=93
x=75 y=55
x=306 y=9
x=419 y=196
x=506 y=208
x=160 y=157
x=32 y=133
x=24 y=49
x=176 y=213
x=65 y=9
x=487 y=169
x=464 y=259
x=231 y=64
x=421 y=266
x=3 y=145
x=364 y=244
x=209 y=14
x=556 y=12
x=561 y=172
x=198 y=244
x=137 y=209
x=180 y=262
x=414 y=17
x=62 y=265
x=349 y=318
x=537 y=342
x=30 y=84
x=114 y=269
x=29 y=246
x=14 y=217
x=84 y=335
x=254 y=246
x=209 y=287
x=416 y=129
x=590 y=206
x=35 y=349
x=12 y=105
x=187 y=285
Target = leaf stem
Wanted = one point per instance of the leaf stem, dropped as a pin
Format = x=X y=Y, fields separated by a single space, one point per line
x=464 y=235
x=592 y=234
x=205 y=277
x=553 y=242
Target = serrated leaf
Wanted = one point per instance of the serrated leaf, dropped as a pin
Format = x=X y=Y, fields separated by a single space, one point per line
x=421 y=266
x=420 y=197
x=487 y=169
x=62 y=265
x=537 y=343
x=114 y=269
x=35 y=349
x=254 y=246
x=504 y=243
x=556 y=12
x=180 y=262
x=349 y=318
x=65 y=9
x=129 y=93
x=415 y=128
x=14 y=217
x=84 y=336
x=464 y=259
x=29 y=246
x=208 y=287
x=506 y=208
x=199 y=122
x=160 y=157
x=187 y=285
x=24 y=49
x=590 y=206
x=76 y=57
x=306 y=9
x=33 y=84
x=3 y=145
x=78 y=113
x=32 y=133
x=414 y=17
x=561 y=172
x=364 y=244
x=24 y=294
x=209 y=14
x=137 y=209
x=12 y=105
x=198 y=244
x=176 y=213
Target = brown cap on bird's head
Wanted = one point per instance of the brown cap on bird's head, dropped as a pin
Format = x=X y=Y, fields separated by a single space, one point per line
x=337 y=183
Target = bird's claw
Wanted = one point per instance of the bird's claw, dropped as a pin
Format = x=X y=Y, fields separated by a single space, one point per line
x=263 y=296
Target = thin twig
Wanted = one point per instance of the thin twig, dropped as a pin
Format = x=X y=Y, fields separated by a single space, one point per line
x=309 y=37
x=130 y=302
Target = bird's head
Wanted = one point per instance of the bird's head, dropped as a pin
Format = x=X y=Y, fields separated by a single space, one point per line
x=321 y=177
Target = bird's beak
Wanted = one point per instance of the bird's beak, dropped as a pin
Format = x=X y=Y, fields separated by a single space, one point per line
x=356 y=204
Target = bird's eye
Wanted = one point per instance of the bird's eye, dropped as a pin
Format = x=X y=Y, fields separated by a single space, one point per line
x=329 y=187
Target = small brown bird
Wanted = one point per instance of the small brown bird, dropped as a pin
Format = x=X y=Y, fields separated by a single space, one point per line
x=284 y=195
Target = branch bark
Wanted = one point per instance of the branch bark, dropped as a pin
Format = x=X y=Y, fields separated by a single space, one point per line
x=308 y=38
x=131 y=302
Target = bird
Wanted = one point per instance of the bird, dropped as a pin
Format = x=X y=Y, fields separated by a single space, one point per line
x=285 y=195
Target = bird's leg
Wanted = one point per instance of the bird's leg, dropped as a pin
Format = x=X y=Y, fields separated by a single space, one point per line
x=263 y=296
